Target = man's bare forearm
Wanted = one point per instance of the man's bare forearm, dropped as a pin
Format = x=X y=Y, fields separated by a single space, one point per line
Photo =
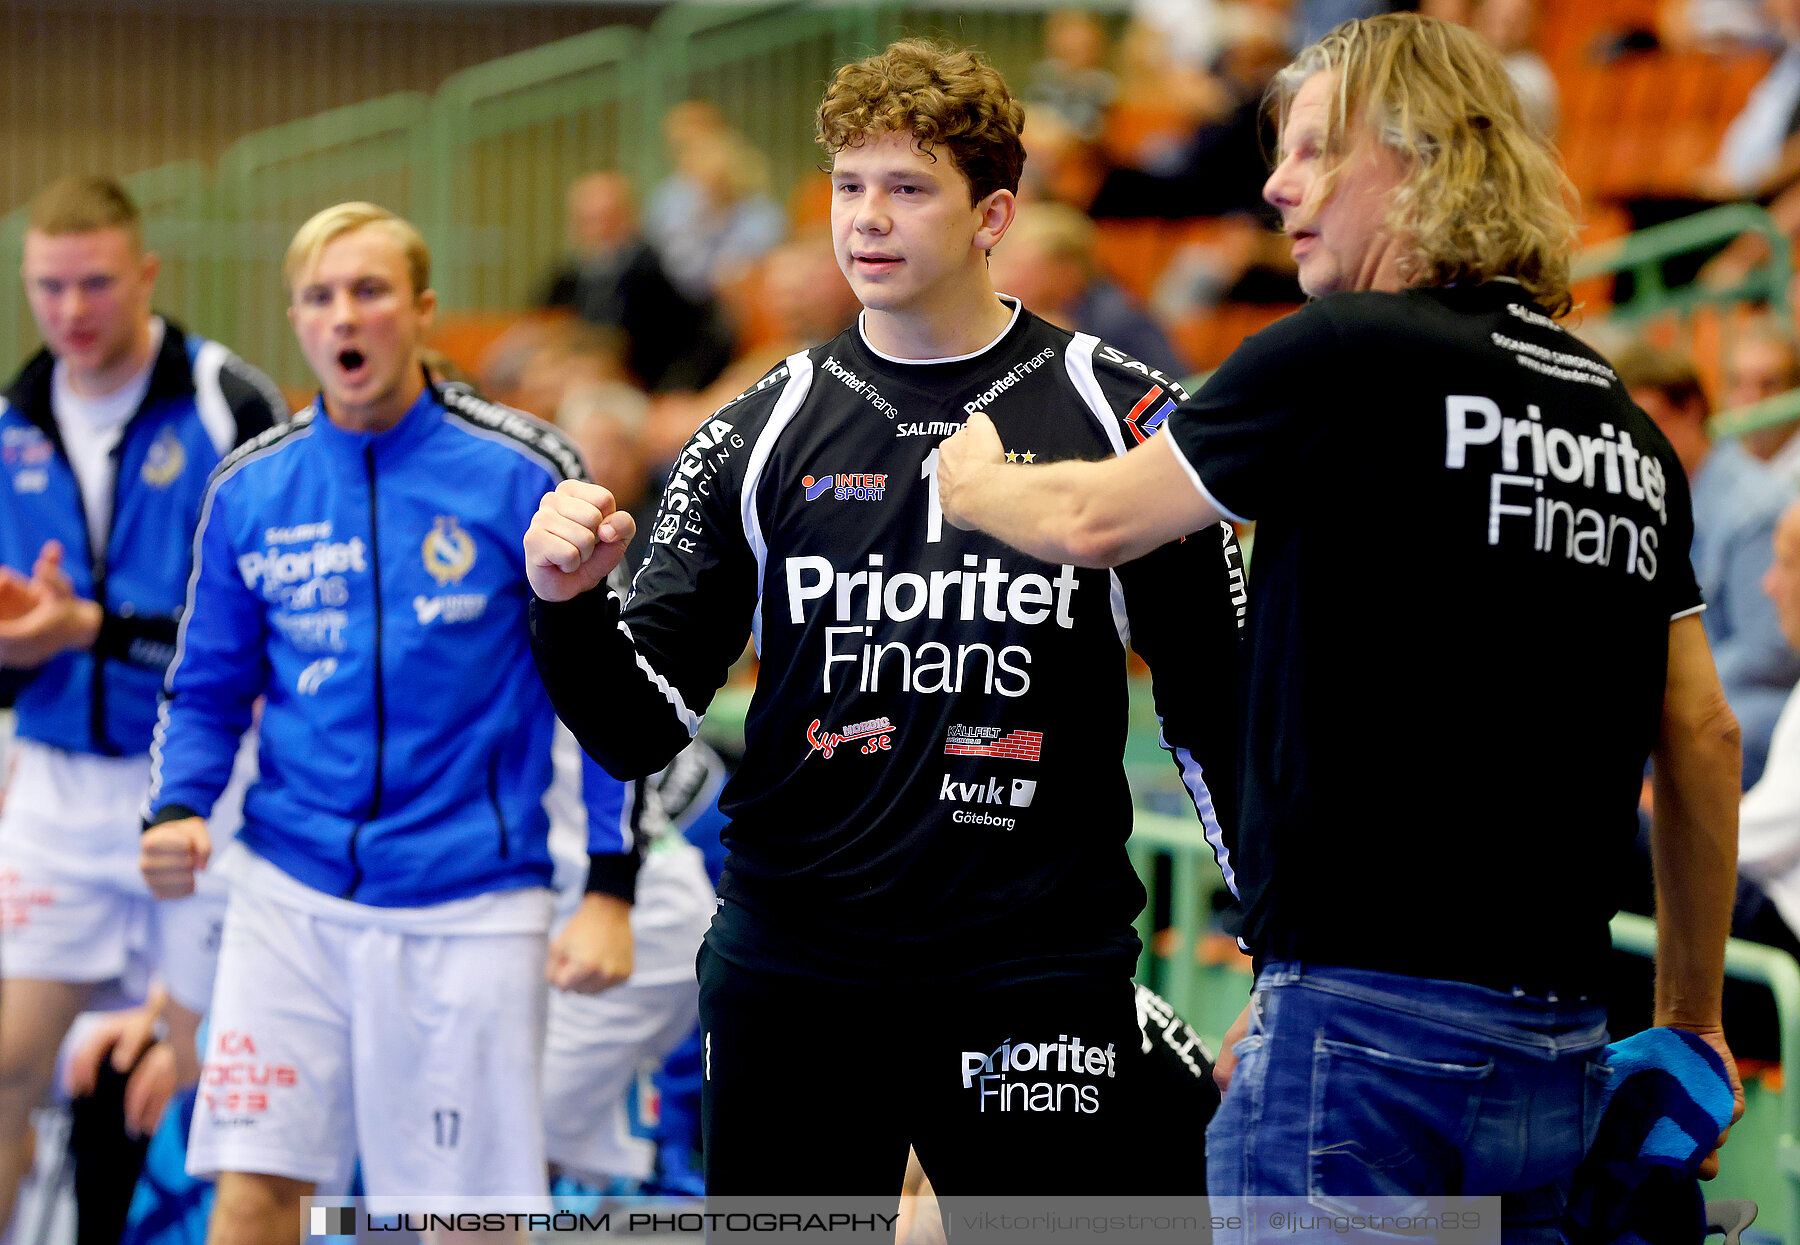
x=1697 y=765
x=1083 y=513
x=1037 y=510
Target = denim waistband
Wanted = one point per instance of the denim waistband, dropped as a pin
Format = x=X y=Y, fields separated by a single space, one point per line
x=1544 y=1023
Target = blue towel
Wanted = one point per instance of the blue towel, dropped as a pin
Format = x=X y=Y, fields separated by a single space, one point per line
x=1666 y=1103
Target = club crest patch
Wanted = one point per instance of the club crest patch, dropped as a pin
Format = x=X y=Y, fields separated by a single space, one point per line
x=448 y=550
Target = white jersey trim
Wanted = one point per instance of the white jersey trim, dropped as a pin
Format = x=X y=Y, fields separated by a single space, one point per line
x=266 y=443
x=1193 y=777
x=863 y=332
x=209 y=397
x=1080 y=364
x=793 y=393
x=688 y=717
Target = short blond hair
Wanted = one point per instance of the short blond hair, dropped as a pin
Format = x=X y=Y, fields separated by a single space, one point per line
x=1483 y=195
x=85 y=204
x=334 y=222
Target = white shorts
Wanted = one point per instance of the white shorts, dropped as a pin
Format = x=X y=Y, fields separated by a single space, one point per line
x=73 y=906
x=332 y=1037
x=599 y=1046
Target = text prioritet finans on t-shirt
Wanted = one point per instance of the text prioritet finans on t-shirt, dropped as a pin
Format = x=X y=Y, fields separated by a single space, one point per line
x=872 y=595
x=1532 y=459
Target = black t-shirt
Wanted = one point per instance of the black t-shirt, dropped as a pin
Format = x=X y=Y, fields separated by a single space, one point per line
x=1470 y=545
x=932 y=784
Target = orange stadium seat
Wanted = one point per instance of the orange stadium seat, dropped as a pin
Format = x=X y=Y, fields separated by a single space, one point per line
x=1135 y=252
x=464 y=336
x=1207 y=338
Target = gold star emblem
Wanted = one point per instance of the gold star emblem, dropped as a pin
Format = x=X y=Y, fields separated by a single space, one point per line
x=1011 y=457
x=1028 y=456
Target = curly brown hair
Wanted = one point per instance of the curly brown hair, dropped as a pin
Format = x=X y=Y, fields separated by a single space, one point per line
x=944 y=96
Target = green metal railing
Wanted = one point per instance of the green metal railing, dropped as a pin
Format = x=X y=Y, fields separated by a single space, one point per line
x=1642 y=255
x=1773 y=1180
x=483 y=165
x=1780 y=409
x=269 y=183
x=502 y=143
x=1193 y=877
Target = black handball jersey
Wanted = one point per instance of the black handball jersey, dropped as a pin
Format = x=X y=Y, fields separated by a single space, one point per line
x=1470 y=544
x=932 y=784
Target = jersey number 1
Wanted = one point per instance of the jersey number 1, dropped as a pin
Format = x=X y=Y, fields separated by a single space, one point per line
x=934 y=509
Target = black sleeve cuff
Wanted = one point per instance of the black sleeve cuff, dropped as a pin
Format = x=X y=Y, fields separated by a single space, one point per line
x=12 y=682
x=575 y=620
x=142 y=640
x=614 y=874
x=169 y=812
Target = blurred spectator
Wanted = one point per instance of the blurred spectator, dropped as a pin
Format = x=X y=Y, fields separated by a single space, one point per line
x=1768 y=906
x=1071 y=82
x=1764 y=362
x=1721 y=26
x=568 y=355
x=1223 y=163
x=1166 y=90
x=803 y=300
x=615 y=279
x=1736 y=505
x=1508 y=25
x=805 y=297
x=688 y=120
x=1047 y=262
x=1194 y=34
x=607 y=421
x=1758 y=158
x=1760 y=153
x=713 y=217
x=1313 y=18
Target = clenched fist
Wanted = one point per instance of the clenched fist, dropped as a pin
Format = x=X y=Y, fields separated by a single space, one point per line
x=576 y=538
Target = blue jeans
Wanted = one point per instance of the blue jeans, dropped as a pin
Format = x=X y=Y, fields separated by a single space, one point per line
x=1356 y=1084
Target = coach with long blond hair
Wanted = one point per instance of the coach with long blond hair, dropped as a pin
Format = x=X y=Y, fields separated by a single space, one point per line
x=1473 y=620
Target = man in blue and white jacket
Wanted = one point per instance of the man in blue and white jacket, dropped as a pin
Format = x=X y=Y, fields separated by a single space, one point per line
x=380 y=986
x=107 y=436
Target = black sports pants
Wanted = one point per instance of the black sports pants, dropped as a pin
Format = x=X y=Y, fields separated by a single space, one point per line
x=815 y=1088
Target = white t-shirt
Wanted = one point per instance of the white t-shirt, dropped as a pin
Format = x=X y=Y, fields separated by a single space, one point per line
x=1785 y=462
x=91 y=427
x=1752 y=143
x=1769 y=819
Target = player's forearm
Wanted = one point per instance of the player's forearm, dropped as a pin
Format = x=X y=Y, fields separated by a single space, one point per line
x=617 y=710
x=194 y=749
x=72 y=628
x=1694 y=845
